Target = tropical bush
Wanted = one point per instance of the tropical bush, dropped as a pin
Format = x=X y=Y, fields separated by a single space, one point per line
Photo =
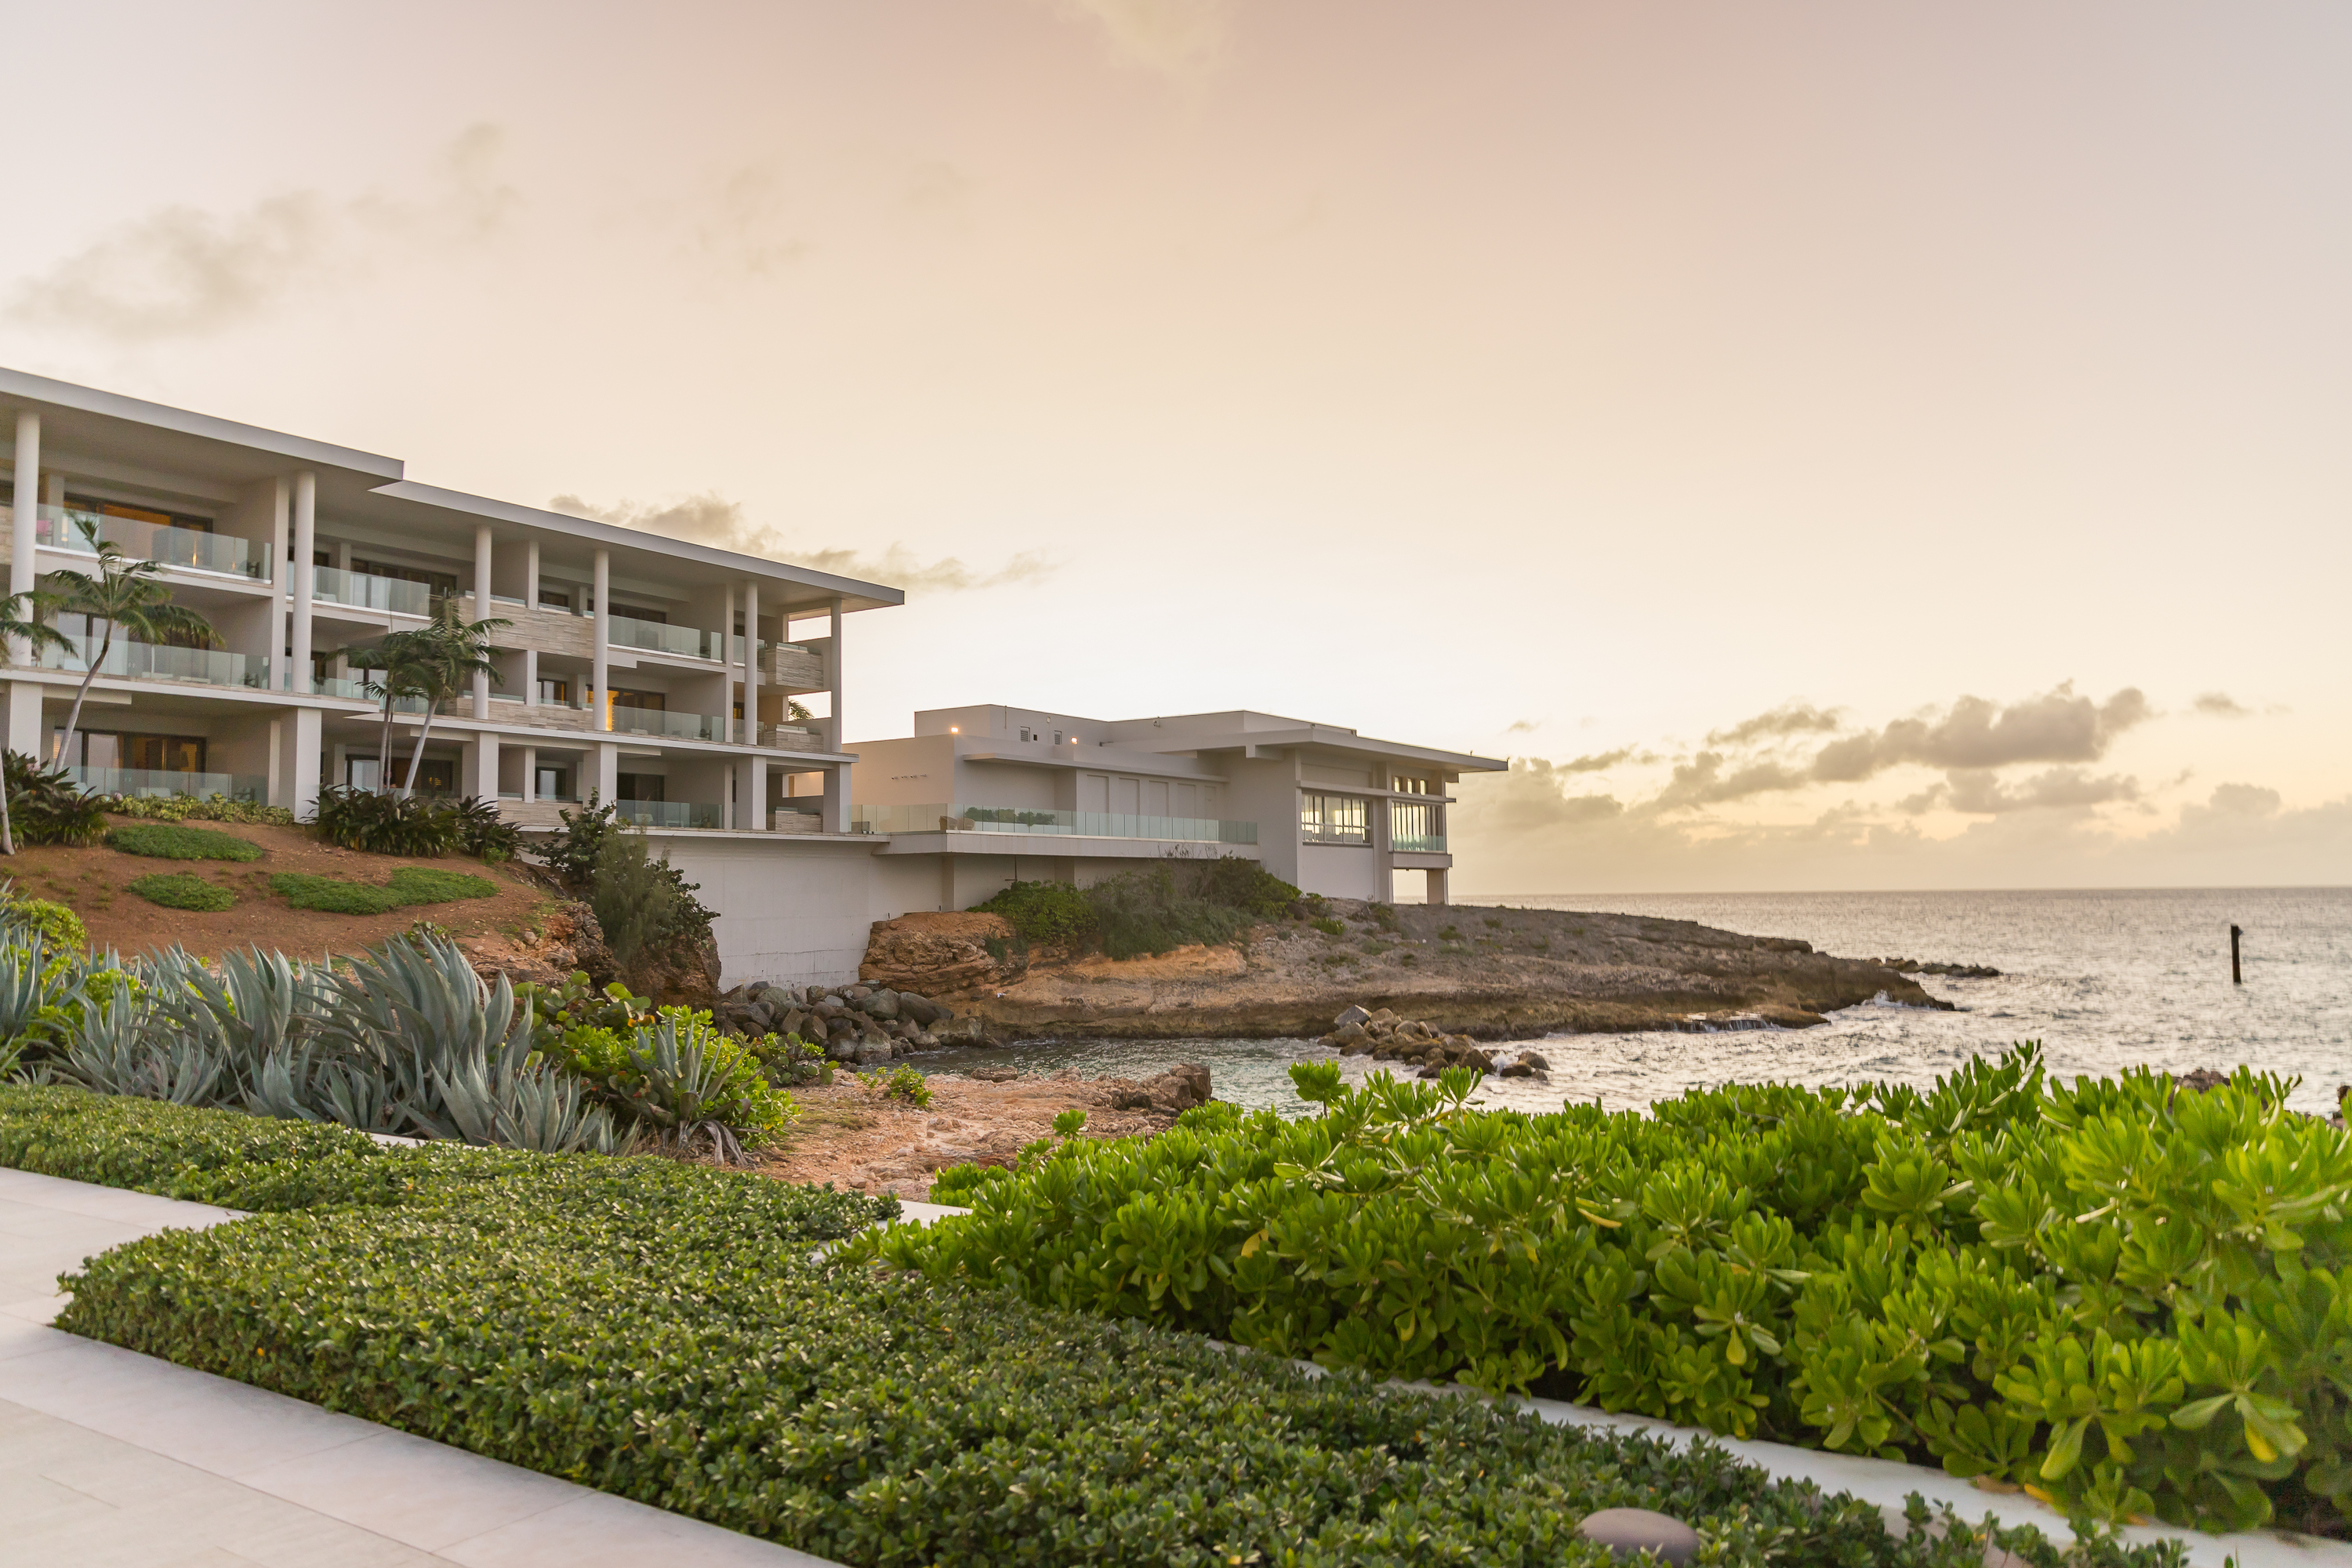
x=57 y=923
x=197 y=808
x=182 y=891
x=789 y=1060
x=663 y=1331
x=645 y=907
x=482 y=832
x=381 y=822
x=408 y=885
x=169 y=841
x=46 y=806
x=689 y=1089
x=1166 y=905
x=2123 y=1296
x=898 y=1083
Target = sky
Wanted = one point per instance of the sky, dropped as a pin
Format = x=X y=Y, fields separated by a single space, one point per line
x=1822 y=446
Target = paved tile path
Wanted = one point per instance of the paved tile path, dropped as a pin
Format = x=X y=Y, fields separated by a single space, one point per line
x=110 y=1457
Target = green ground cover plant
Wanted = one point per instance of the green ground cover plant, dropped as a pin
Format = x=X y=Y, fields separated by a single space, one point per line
x=669 y=1333
x=408 y=885
x=182 y=891
x=171 y=841
x=1169 y=904
x=2127 y=1298
x=198 y=809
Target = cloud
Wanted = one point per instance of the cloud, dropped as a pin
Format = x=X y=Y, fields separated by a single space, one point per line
x=1173 y=38
x=183 y=272
x=1522 y=727
x=1789 y=719
x=1703 y=782
x=713 y=520
x=2055 y=727
x=2220 y=705
x=1979 y=792
x=1602 y=762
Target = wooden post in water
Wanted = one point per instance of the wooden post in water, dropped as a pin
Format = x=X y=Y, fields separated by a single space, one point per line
x=2237 y=976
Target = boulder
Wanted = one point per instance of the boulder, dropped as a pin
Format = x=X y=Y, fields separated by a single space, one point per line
x=1352 y=1015
x=1181 y=1088
x=1628 y=1532
x=1347 y=1035
x=872 y=1053
x=883 y=1003
x=1534 y=1060
x=921 y=1009
x=843 y=1050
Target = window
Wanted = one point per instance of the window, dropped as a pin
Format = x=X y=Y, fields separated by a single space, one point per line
x=435 y=775
x=552 y=784
x=110 y=749
x=655 y=701
x=148 y=514
x=637 y=786
x=1412 y=786
x=555 y=693
x=441 y=585
x=637 y=613
x=549 y=599
x=1417 y=827
x=1333 y=819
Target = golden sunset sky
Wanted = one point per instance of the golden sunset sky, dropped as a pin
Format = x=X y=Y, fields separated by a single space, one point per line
x=1830 y=444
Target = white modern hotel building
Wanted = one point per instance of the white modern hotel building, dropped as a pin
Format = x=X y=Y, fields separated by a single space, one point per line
x=698 y=688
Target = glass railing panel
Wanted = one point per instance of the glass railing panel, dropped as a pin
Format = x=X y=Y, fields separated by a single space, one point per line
x=150 y=662
x=1043 y=821
x=365 y=590
x=660 y=722
x=1420 y=844
x=64 y=528
x=692 y=642
x=159 y=783
x=668 y=812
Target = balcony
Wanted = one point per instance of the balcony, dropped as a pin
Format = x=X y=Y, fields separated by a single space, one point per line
x=158 y=783
x=71 y=530
x=1062 y=824
x=658 y=637
x=791 y=737
x=795 y=667
x=668 y=813
x=672 y=726
x=364 y=591
x=1418 y=844
x=150 y=662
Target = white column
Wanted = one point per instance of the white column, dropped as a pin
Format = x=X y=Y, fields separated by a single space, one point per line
x=482 y=613
x=22 y=569
x=608 y=766
x=529 y=767
x=280 y=786
x=282 y=582
x=24 y=696
x=299 y=737
x=600 y=715
x=531 y=577
x=481 y=767
x=751 y=795
x=751 y=682
x=840 y=737
x=531 y=678
x=306 y=537
x=836 y=798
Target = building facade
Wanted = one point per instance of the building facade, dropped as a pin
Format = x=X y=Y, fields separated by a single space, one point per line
x=987 y=795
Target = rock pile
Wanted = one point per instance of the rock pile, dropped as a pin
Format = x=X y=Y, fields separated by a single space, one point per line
x=1181 y=1088
x=862 y=1024
x=1956 y=971
x=1387 y=1037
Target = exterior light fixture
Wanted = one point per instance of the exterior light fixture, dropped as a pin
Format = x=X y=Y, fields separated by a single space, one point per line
x=955 y=729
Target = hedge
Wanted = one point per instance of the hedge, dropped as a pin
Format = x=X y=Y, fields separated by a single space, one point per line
x=667 y=1332
x=2123 y=1296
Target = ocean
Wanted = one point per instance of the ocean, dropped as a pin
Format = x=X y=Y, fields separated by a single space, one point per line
x=2105 y=980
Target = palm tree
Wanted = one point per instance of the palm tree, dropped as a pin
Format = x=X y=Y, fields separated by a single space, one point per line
x=126 y=595
x=22 y=616
x=399 y=662
x=456 y=652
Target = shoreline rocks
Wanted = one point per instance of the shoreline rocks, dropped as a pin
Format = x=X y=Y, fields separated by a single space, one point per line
x=864 y=1025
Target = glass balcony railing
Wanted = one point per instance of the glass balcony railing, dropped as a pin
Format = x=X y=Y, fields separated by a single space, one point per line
x=72 y=528
x=627 y=631
x=660 y=722
x=668 y=812
x=1419 y=844
x=1067 y=824
x=161 y=784
x=365 y=590
x=150 y=662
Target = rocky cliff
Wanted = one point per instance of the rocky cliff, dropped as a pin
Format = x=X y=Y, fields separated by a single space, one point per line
x=1491 y=972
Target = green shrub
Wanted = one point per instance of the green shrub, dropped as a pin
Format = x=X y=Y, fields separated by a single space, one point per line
x=899 y=1083
x=195 y=808
x=381 y=822
x=167 y=841
x=482 y=831
x=645 y=907
x=46 y=806
x=182 y=891
x=409 y=885
x=58 y=925
x=687 y=1087
x=1328 y=927
x=660 y=1329
x=2124 y=1296
x=1056 y=912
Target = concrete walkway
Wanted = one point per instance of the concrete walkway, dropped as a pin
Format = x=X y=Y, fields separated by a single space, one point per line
x=111 y=1457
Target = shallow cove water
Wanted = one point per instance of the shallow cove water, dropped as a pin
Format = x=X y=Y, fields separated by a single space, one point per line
x=2106 y=980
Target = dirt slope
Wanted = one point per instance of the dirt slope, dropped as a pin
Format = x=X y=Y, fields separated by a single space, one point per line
x=94 y=883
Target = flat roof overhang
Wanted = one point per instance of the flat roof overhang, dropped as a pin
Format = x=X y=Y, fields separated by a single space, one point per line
x=1054 y=846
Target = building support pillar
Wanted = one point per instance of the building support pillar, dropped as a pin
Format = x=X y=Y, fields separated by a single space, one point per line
x=299 y=740
x=1436 y=885
x=836 y=798
x=282 y=581
x=531 y=677
x=600 y=713
x=480 y=768
x=752 y=794
x=306 y=538
x=836 y=737
x=24 y=696
x=529 y=771
x=482 y=613
x=751 y=667
x=608 y=766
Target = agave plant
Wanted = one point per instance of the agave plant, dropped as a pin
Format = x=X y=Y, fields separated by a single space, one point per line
x=114 y=1046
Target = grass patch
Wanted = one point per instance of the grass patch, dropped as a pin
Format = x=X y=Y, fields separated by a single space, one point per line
x=661 y=1330
x=171 y=841
x=409 y=885
x=182 y=891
